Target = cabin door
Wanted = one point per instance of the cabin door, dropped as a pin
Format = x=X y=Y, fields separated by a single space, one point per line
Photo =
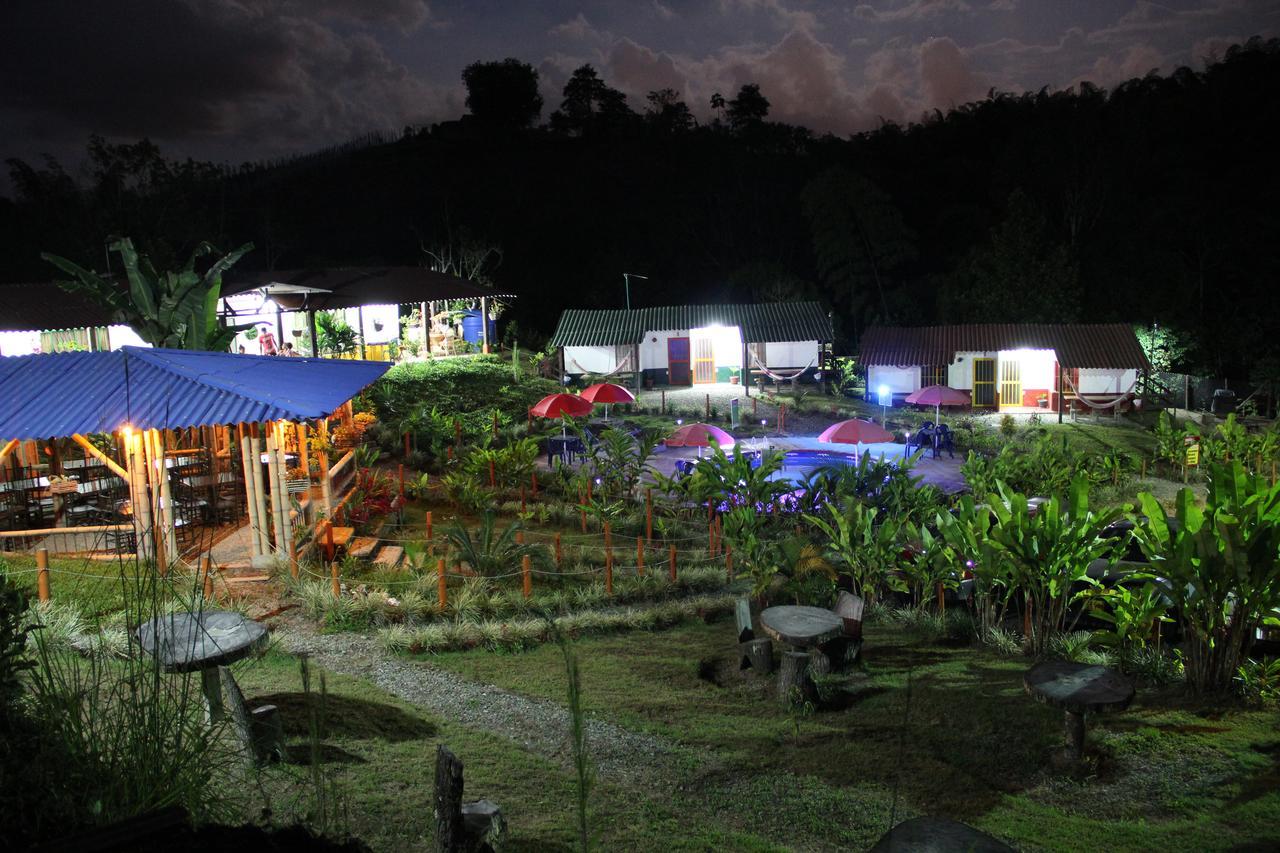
x=1010 y=382
x=704 y=361
x=678 y=362
x=984 y=382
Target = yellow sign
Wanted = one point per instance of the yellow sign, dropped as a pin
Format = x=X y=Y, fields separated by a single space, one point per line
x=1193 y=454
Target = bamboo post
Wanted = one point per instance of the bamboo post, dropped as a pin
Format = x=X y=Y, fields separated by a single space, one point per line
x=526 y=575
x=206 y=573
x=559 y=552
x=640 y=556
x=728 y=563
x=337 y=585
x=42 y=574
x=277 y=504
x=648 y=515
x=260 y=493
x=154 y=502
x=671 y=560
x=304 y=455
x=442 y=584
x=608 y=561
x=326 y=487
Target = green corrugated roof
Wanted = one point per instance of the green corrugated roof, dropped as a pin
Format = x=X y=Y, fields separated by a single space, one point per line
x=760 y=322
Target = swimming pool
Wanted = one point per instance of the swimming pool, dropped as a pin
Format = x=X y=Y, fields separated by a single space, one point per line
x=798 y=464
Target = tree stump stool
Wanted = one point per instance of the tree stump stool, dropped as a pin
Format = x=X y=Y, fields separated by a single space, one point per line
x=1078 y=689
x=756 y=656
x=792 y=676
x=476 y=827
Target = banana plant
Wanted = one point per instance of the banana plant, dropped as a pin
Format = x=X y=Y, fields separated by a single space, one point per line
x=863 y=550
x=1222 y=564
x=1050 y=550
x=173 y=309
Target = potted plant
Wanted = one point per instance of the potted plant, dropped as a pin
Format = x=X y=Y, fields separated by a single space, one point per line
x=1043 y=400
x=296 y=480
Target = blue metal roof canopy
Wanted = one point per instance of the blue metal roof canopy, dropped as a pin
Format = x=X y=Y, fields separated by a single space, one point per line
x=61 y=394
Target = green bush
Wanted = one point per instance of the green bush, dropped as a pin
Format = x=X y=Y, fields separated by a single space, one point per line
x=482 y=384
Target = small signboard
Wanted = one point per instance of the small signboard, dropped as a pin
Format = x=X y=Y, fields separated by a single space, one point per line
x=1193 y=455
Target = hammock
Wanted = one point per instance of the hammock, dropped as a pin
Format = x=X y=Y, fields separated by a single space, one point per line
x=1099 y=404
x=621 y=365
x=778 y=377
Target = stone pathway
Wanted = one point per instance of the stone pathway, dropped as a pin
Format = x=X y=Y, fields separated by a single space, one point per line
x=617 y=754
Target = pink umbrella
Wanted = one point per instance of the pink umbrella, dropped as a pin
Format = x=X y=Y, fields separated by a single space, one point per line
x=939 y=396
x=700 y=436
x=855 y=432
x=607 y=392
x=558 y=405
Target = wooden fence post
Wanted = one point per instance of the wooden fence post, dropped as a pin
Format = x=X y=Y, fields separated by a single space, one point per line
x=728 y=563
x=406 y=444
x=42 y=574
x=337 y=586
x=608 y=560
x=522 y=500
x=442 y=585
x=648 y=515
x=671 y=559
x=526 y=575
x=206 y=572
x=401 y=483
x=457 y=431
x=711 y=538
x=519 y=537
x=293 y=557
x=493 y=476
x=559 y=552
x=640 y=556
x=495 y=423
x=429 y=523
x=708 y=407
x=582 y=510
x=755 y=410
x=329 y=548
x=663 y=409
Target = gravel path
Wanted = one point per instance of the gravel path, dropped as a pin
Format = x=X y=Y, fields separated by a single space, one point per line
x=618 y=754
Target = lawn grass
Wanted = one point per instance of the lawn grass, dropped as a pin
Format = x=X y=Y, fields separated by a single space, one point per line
x=381 y=754
x=1168 y=774
x=97 y=587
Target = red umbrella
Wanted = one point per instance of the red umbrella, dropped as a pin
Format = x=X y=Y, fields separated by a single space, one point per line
x=939 y=396
x=855 y=432
x=700 y=436
x=558 y=405
x=607 y=392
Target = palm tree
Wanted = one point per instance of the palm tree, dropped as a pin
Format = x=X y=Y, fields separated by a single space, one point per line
x=175 y=310
x=491 y=553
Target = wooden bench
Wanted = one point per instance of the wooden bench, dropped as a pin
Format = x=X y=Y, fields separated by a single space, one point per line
x=389 y=556
x=361 y=547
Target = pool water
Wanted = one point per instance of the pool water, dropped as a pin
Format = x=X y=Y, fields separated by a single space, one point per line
x=798 y=464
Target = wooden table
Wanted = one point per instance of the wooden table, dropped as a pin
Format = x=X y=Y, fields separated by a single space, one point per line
x=1078 y=689
x=206 y=642
x=802 y=628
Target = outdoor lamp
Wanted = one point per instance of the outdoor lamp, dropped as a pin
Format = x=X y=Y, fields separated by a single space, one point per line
x=679 y=421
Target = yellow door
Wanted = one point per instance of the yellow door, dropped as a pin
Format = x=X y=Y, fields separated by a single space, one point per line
x=704 y=361
x=1010 y=383
x=984 y=382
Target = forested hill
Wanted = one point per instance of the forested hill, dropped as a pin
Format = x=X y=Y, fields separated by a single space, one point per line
x=1152 y=202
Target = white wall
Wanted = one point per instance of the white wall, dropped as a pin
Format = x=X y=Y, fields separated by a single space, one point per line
x=601 y=359
x=960 y=373
x=19 y=343
x=790 y=354
x=1107 y=381
x=1037 y=366
x=653 y=348
x=900 y=380
x=123 y=336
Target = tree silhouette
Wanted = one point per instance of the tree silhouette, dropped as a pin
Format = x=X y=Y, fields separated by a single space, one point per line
x=590 y=105
x=748 y=109
x=503 y=95
x=667 y=113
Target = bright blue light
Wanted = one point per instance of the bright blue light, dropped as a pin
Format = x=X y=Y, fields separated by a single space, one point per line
x=886 y=396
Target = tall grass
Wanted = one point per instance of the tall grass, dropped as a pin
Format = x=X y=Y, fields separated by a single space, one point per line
x=584 y=776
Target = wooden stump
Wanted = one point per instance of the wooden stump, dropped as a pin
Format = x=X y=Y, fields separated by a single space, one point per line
x=842 y=652
x=757 y=656
x=819 y=663
x=450 y=834
x=795 y=668
x=1073 y=729
x=268 y=733
x=742 y=615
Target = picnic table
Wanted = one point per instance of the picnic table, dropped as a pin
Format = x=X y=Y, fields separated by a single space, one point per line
x=207 y=642
x=1078 y=689
x=804 y=629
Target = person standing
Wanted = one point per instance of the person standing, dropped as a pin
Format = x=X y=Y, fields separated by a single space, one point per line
x=287 y=349
x=267 y=341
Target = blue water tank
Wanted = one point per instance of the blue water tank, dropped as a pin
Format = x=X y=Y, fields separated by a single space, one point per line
x=471 y=330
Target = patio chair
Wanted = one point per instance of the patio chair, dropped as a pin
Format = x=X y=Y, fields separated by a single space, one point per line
x=942 y=440
x=921 y=439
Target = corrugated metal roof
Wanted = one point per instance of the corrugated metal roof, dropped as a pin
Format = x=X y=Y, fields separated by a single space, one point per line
x=59 y=394
x=760 y=322
x=353 y=287
x=46 y=307
x=1106 y=345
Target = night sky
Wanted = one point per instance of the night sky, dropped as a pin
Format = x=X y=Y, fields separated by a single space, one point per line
x=237 y=80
